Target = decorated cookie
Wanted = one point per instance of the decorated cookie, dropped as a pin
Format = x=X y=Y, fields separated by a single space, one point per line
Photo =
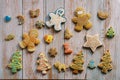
x=30 y=40
x=81 y=19
x=48 y=38
x=56 y=19
x=9 y=37
x=43 y=65
x=102 y=15
x=60 y=66
x=52 y=52
x=34 y=13
x=21 y=19
x=67 y=34
x=77 y=64
x=106 y=62
x=92 y=42
x=91 y=64
x=16 y=62
x=39 y=24
x=110 y=33
x=67 y=49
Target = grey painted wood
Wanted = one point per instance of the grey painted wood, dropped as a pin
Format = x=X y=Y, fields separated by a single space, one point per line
x=7 y=48
x=15 y=7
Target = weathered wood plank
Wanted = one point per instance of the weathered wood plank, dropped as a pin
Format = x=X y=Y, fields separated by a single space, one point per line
x=29 y=59
x=58 y=39
x=78 y=37
x=7 y=48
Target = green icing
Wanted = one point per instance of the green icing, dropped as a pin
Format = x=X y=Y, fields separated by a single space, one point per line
x=110 y=33
x=16 y=62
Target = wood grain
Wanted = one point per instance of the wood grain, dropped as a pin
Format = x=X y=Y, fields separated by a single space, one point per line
x=16 y=7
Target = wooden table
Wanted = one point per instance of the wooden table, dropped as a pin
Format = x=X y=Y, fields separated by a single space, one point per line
x=16 y=7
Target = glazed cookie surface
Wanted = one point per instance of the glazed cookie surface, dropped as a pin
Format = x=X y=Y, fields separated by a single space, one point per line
x=30 y=40
x=60 y=66
x=16 y=62
x=56 y=19
x=77 y=64
x=81 y=19
x=106 y=62
x=43 y=65
x=92 y=42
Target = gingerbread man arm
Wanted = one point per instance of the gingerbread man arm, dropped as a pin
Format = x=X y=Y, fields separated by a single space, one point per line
x=74 y=19
x=49 y=23
x=63 y=19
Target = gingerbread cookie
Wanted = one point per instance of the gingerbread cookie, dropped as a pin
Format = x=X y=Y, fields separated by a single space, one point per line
x=102 y=15
x=16 y=62
x=92 y=42
x=40 y=24
x=110 y=33
x=52 y=52
x=67 y=49
x=60 y=66
x=67 y=34
x=78 y=61
x=48 y=38
x=43 y=65
x=30 y=40
x=81 y=19
x=56 y=19
x=9 y=37
x=106 y=62
x=91 y=64
x=34 y=13
x=21 y=19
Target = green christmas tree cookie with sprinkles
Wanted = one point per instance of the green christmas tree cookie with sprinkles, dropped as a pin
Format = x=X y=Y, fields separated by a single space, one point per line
x=110 y=33
x=16 y=62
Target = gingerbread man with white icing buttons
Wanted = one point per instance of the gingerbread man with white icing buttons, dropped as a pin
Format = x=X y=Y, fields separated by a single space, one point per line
x=56 y=19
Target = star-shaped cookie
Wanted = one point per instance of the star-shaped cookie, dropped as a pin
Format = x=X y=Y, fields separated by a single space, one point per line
x=92 y=42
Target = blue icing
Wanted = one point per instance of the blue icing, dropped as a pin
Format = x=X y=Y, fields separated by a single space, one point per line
x=91 y=64
x=7 y=18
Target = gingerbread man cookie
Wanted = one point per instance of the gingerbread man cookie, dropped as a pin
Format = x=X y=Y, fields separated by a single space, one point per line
x=30 y=40
x=56 y=19
x=81 y=19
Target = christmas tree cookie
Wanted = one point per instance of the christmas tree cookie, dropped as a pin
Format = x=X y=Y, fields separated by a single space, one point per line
x=106 y=62
x=77 y=64
x=43 y=65
x=16 y=62
x=110 y=33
